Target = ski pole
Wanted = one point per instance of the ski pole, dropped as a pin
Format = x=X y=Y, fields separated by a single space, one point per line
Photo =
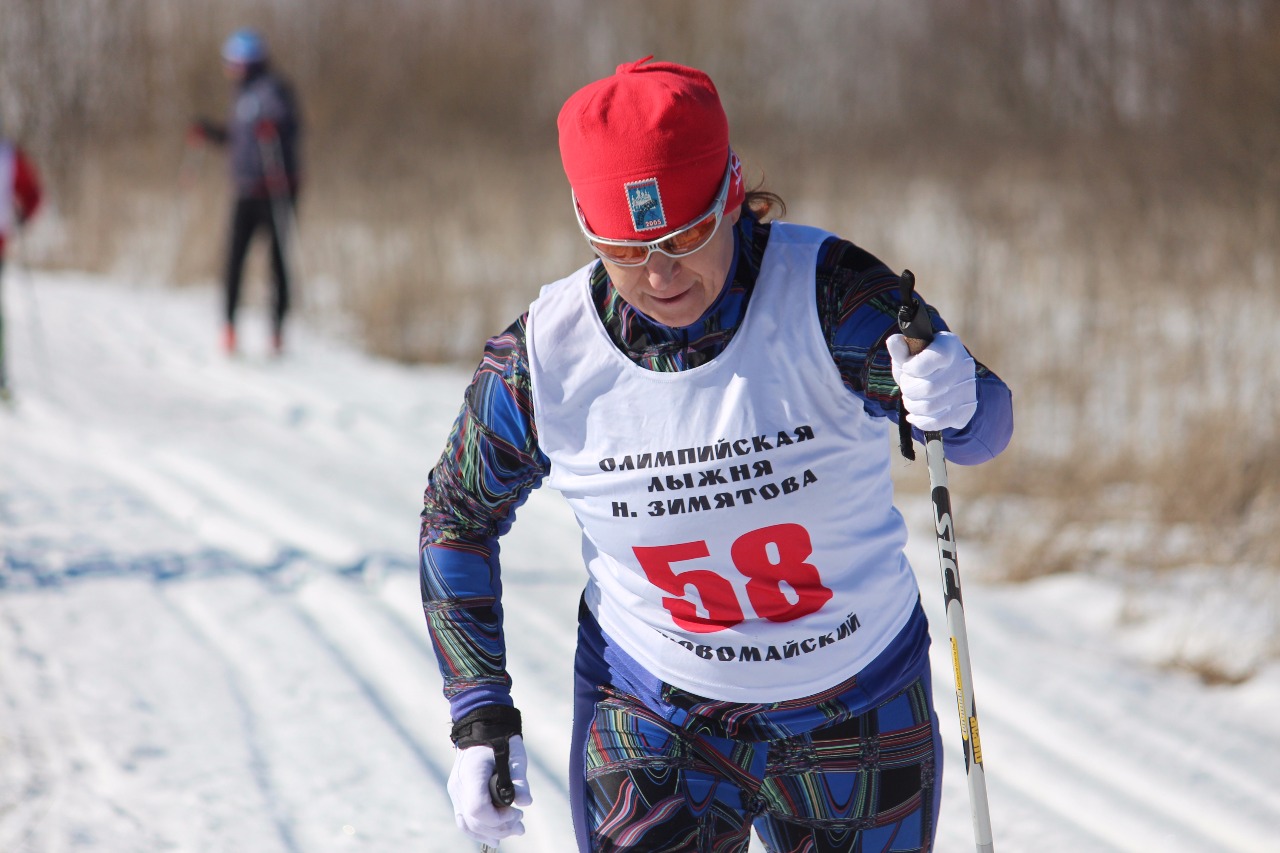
x=917 y=328
x=278 y=188
x=34 y=324
x=188 y=170
x=33 y=303
x=501 y=790
x=4 y=382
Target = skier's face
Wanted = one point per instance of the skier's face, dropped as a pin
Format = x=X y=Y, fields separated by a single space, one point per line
x=677 y=291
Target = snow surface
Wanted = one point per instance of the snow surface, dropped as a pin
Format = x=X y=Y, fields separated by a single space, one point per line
x=211 y=637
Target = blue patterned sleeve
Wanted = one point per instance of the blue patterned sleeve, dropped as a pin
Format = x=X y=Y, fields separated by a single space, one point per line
x=858 y=306
x=489 y=465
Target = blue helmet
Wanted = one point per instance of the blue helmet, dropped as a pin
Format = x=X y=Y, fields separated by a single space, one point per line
x=244 y=47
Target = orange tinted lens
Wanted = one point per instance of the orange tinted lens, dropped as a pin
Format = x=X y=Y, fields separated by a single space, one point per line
x=692 y=239
x=621 y=254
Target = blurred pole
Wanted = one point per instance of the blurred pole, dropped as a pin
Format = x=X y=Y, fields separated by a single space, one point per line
x=188 y=173
x=34 y=323
x=282 y=204
x=4 y=381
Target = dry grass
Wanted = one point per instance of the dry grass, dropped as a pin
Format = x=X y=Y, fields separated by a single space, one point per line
x=1100 y=228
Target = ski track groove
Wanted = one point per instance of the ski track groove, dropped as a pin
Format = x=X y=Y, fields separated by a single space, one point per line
x=1127 y=757
x=1009 y=635
x=283 y=589
x=420 y=694
x=540 y=728
x=259 y=762
x=42 y=789
x=58 y=752
x=1114 y=804
x=1141 y=753
x=1108 y=797
x=547 y=770
x=1159 y=747
x=434 y=768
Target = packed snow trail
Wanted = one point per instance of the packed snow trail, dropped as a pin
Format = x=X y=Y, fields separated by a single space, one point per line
x=211 y=636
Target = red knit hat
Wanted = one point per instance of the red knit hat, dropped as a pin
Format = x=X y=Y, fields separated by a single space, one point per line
x=646 y=149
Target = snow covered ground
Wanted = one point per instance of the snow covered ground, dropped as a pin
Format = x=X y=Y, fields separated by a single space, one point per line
x=211 y=637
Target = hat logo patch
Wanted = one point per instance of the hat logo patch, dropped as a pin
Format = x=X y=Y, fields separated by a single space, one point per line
x=645 y=203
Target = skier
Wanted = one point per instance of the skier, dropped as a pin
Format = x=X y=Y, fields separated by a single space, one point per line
x=19 y=198
x=714 y=396
x=262 y=134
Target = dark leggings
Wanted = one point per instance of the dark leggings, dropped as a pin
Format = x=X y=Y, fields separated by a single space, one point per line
x=248 y=216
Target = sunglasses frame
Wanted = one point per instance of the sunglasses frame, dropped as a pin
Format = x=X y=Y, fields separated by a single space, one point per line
x=651 y=246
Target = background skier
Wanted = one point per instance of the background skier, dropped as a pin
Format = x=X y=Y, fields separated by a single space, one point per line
x=262 y=134
x=19 y=198
x=714 y=397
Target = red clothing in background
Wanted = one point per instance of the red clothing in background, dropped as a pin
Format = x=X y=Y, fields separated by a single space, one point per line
x=26 y=191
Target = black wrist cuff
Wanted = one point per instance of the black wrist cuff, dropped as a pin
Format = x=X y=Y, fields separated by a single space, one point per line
x=486 y=725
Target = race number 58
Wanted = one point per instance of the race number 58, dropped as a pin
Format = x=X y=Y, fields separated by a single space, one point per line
x=781 y=586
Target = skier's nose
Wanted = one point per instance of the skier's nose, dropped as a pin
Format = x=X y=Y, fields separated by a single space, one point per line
x=662 y=270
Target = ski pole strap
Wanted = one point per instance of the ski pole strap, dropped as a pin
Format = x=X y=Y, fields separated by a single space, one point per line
x=492 y=726
x=485 y=725
x=917 y=328
x=501 y=789
x=904 y=434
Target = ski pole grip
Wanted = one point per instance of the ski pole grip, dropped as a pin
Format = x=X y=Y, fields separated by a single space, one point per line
x=913 y=319
x=501 y=790
x=492 y=726
x=917 y=328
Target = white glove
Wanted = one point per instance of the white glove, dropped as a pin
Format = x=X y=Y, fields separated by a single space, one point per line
x=473 y=808
x=939 y=385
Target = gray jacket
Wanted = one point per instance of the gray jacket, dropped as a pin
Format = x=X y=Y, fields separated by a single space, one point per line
x=262 y=135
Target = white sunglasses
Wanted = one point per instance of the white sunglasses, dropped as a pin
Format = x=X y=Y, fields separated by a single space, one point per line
x=681 y=242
